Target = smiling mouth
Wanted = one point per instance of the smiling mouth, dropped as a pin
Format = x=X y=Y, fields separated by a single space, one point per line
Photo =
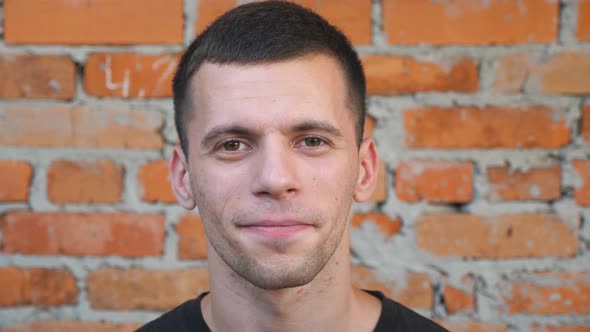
x=277 y=230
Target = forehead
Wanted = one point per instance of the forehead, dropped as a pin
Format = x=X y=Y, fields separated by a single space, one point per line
x=309 y=86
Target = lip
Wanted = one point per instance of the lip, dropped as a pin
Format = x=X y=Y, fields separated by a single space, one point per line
x=276 y=229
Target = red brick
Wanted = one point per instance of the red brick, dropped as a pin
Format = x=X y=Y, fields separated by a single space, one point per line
x=52 y=287
x=97 y=234
x=458 y=300
x=583 y=31
x=548 y=293
x=380 y=194
x=71 y=326
x=565 y=73
x=496 y=237
x=434 y=181
x=534 y=72
x=353 y=17
x=538 y=184
x=561 y=328
x=37 y=286
x=459 y=297
x=64 y=126
x=582 y=191
x=393 y=75
x=473 y=327
x=154 y=179
x=513 y=70
x=15 y=180
x=388 y=226
x=138 y=289
x=209 y=10
x=37 y=77
x=489 y=127
x=15 y=287
x=192 y=240
x=130 y=75
x=93 y=22
x=369 y=126
x=415 y=291
x=98 y=181
x=470 y=22
x=585 y=125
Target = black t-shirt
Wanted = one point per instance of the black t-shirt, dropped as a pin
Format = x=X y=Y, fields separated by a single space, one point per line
x=394 y=318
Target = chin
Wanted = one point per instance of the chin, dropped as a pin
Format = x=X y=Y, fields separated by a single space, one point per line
x=286 y=266
x=275 y=280
x=279 y=272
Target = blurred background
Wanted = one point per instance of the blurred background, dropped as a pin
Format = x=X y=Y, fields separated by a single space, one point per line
x=480 y=111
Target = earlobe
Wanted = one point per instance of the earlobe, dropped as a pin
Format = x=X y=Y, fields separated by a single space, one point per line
x=180 y=180
x=368 y=166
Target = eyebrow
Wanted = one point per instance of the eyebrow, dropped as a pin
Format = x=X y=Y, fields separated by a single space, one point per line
x=225 y=130
x=304 y=126
x=318 y=126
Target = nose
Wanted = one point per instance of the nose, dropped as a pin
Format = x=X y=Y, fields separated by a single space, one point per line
x=275 y=172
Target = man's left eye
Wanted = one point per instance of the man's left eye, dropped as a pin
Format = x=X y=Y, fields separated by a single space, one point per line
x=313 y=141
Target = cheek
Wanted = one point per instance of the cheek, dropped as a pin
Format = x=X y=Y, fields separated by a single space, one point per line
x=335 y=174
x=333 y=184
x=215 y=189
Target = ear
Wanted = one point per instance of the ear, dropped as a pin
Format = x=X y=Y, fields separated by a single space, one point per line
x=180 y=180
x=368 y=168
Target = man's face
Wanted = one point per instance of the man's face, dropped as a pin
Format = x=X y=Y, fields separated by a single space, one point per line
x=272 y=165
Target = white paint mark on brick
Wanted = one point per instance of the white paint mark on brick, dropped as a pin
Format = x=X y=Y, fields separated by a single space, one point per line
x=124 y=86
x=168 y=71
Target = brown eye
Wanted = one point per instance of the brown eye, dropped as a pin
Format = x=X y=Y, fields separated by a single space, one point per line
x=313 y=141
x=231 y=146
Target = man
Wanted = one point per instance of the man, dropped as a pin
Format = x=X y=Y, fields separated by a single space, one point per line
x=269 y=104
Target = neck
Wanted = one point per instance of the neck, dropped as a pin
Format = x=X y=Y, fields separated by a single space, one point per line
x=234 y=304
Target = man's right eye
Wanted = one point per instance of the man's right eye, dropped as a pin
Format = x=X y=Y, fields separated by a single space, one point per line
x=232 y=145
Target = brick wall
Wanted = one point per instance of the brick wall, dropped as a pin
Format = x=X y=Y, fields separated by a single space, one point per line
x=480 y=110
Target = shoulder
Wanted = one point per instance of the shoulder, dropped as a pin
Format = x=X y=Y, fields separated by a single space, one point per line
x=184 y=318
x=396 y=317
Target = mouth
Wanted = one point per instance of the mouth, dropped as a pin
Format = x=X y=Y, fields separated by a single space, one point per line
x=280 y=229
